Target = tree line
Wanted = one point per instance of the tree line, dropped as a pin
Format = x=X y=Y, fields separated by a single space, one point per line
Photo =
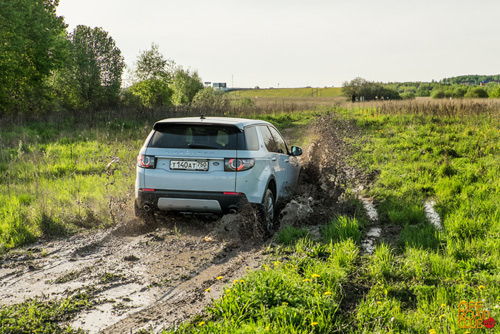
x=43 y=67
x=459 y=87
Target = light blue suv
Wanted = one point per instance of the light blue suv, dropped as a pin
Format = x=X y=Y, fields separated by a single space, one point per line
x=209 y=164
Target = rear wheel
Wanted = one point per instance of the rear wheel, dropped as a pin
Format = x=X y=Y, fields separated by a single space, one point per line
x=267 y=214
x=148 y=217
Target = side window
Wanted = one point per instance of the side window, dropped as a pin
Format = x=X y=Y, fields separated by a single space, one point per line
x=280 y=142
x=251 y=139
x=273 y=140
x=268 y=139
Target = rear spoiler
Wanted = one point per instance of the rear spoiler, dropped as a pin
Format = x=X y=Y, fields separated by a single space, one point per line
x=157 y=125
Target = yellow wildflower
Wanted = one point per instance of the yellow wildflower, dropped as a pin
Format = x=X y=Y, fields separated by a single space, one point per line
x=379 y=303
x=432 y=331
x=201 y=323
x=315 y=276
x=284 y=303
x=313 y=323
x=306 y=280
x=207 y=289
x=328 y=293
x=267 y=327
x=481 y=287
x=443 y=305
x=220 y=277
x=235 y=281
x=442 y=316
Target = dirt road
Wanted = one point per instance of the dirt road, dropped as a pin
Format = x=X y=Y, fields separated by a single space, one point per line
x=141 y=277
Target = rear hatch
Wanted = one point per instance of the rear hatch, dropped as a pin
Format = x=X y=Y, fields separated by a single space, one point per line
x=190 y=157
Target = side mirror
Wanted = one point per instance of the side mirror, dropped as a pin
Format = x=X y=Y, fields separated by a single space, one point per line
x=296 y=151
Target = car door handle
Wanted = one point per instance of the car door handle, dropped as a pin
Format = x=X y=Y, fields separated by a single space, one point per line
x=273 y=159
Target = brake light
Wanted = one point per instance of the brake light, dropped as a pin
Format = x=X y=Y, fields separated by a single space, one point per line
x=148 y=189
x=231 y=193
x=146 y=161
x=238 y=165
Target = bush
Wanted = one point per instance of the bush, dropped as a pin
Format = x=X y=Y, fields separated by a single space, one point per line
x=211 y=99
x=407 y=95
x=242 y=102
x=476 y=92
x=438 y=93
x=495 y=93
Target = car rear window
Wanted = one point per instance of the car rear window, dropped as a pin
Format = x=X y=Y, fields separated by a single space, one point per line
x=196 y=136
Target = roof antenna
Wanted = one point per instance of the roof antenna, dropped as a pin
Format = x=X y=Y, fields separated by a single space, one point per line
x=202 y=116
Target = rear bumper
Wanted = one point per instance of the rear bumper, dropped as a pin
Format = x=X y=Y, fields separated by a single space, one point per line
x=189 y=201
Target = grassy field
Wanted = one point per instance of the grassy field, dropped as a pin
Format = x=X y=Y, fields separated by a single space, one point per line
x=289 y=92
x=59 y=179
x=419 y=277
x=451 y=156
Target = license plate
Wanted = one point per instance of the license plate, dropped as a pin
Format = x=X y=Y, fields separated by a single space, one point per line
x=189 y=165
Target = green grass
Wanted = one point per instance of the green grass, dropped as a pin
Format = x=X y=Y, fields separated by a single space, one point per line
x=452 y=159
x=412 y=283
x=301 y=295
x=43 y=315
x=290 y=92
x=415 y=280
x=55 y=182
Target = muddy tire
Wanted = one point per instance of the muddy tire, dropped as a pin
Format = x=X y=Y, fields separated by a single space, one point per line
x=148 y=217
x=267 y=212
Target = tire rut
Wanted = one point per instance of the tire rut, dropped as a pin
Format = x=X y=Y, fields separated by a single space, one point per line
x=190 y=298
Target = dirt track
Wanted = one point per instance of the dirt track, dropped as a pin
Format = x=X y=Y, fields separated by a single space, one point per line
x=141 y=276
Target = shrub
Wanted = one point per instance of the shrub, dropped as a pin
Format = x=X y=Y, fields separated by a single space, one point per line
x=437 y=93
x=211 y=99
x=407 y=95
x=476 y=92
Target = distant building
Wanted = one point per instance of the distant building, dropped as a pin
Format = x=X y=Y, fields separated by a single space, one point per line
x=215 y=85
x=467 y=83
x=219 y=86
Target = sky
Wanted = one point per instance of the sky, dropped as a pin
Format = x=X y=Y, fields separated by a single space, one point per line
x=292 y=43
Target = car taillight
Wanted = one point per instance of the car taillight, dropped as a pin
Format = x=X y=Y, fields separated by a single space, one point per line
x=233 y=164
x=146 y=161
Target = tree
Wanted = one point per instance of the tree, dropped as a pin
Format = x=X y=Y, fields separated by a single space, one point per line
x=185 y=85
x=152 y=92
x=153 y=75
x=476 y=92
x=360 y=87
x=32 y=45
x=211 y=99
x=93 y=75
x=151 y=64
